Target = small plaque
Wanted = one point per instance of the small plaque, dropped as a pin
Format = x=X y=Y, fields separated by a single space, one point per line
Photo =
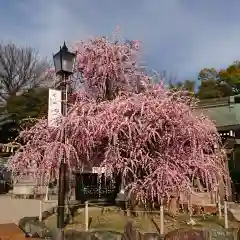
x=222 y=235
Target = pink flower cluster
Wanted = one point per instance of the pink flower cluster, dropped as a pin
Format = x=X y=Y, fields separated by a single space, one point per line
x=150 y=135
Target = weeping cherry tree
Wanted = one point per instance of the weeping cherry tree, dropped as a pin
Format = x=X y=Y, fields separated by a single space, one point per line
x=151 y=136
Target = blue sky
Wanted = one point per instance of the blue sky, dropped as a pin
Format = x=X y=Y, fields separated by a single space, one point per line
x=179 y=36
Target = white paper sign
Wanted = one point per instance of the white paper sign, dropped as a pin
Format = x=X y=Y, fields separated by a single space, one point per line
x=98 y=170
x=54 y=107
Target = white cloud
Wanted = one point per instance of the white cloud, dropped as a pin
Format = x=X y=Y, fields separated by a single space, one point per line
x=180 y=36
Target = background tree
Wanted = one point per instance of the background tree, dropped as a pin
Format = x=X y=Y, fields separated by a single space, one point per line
x=187 y=85
x=231 y=77
x=209 y=89
x=176 y=86
x=22 y=111
x=31 y=104
x=207 y=74
x=219 y=83
x=20 y=69
x=209 y=85
x=8 y=127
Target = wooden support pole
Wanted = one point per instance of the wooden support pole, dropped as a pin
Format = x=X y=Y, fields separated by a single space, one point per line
x=40 y=210
x=86 y=216
x=226 y=214
x=219 y=207
x=161 y=220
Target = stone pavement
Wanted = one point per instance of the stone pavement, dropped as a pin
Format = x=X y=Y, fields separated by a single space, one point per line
x=13 y=209
x=234 y=211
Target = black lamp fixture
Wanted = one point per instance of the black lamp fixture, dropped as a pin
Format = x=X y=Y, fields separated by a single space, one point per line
x=64 y=61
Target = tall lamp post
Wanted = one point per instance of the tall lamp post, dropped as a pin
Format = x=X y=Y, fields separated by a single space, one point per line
x=64 y=65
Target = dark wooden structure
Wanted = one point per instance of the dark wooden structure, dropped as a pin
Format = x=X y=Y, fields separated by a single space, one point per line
x=225 y=112
x=94 y=187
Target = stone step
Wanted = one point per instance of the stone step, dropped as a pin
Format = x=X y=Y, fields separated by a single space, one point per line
x=234 y=214
x=234 y=205
x=233 y=211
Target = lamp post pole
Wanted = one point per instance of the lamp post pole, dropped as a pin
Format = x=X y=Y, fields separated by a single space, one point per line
x=64 y=66
x=62 y=168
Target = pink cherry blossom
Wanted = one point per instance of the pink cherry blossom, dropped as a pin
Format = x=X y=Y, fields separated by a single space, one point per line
x=123 y=122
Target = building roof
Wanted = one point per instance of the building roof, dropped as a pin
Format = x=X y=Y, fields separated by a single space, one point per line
x=224 y=112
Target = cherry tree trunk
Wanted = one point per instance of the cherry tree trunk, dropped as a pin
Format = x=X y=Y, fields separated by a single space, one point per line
x=173 y=205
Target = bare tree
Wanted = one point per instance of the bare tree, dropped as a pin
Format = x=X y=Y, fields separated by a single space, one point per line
x=169 y=79
x=20 y=69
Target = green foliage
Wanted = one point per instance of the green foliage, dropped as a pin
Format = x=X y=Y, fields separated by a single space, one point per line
x=187 y=85
x=5 y=119
x=31 y=104
x=209 y=89
x=213 y=83
x=219 y=83
x=8 y=127
x=231 y=76
x=207 y=74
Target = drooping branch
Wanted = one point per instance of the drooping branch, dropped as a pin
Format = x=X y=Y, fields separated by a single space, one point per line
x=152 y=136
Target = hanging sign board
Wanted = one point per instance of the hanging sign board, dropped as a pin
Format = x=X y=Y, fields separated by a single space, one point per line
x=54 y=107
x=98 y=170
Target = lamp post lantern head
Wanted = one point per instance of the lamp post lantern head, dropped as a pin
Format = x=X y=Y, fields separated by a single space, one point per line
x=64 y=61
